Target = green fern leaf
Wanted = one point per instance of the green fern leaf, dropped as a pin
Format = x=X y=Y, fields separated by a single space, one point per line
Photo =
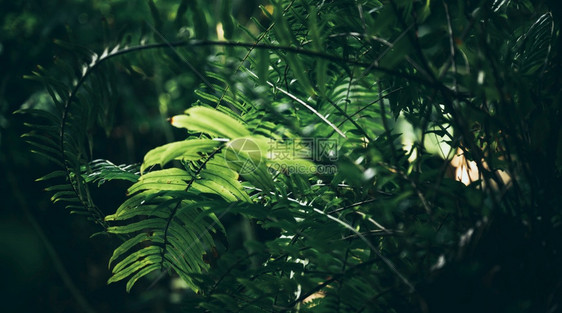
x=148 y=225
x=103 y=171
x=210 y=121
x=132 y=208
x=55 y=174
x=176 y=237
x=225 y=178
x=167 y=179
x=132 y=242
x=189 y=150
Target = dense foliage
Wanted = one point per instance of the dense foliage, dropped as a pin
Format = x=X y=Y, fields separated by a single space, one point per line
x=325 y=156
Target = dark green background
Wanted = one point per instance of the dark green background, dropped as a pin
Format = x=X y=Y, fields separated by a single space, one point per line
x=40 y=242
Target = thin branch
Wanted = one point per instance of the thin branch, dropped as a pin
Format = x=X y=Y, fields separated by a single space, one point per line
x=304 y=104
x=372 y=102
x=451 y=47
x=388 y=263
x=370 y=219
x=416 y=44
x=352 y=206
x=348 y=118
x=375 y=233
x=260 y=38
x=327 y=282
x=191 y=67
x=387 y=129
x=412 y=183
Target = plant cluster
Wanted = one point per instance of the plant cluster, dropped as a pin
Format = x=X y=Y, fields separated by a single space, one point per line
x=335 y=156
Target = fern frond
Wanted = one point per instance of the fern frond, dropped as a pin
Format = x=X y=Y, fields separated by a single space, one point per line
x=189 y=150
x=210 y=121
x=165 y=237
x=170 y=201
x=534 y=47
x=102 y=171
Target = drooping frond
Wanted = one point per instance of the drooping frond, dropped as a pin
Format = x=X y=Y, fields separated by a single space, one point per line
x=168 y=213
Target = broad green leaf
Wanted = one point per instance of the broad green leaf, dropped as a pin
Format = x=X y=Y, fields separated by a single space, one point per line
x=188 y=216
x=144 y=210
x=59 y=188
x=134 y=257
x=188 y=246
x=151 y=259
x=149 y=224
x=55 y=160
x=145 y=271
x=166 y=179
x=207 y=96
x=213 y=187
x=130 y=243
x=210 y=121
x=219 y=172
x=63 y=196
x=52 y=175
x=188 y=150
x=131 y=204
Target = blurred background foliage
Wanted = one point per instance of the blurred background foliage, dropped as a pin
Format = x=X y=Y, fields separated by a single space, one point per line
x=43 y=257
